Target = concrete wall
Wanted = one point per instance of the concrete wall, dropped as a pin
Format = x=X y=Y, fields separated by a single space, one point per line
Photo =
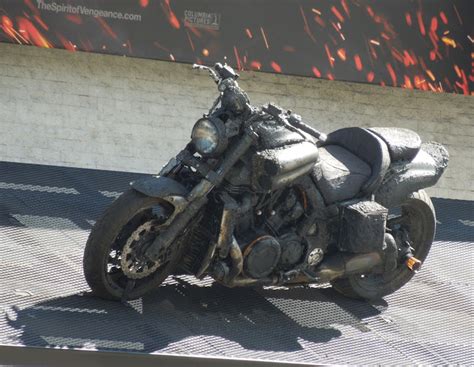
x=115 y=113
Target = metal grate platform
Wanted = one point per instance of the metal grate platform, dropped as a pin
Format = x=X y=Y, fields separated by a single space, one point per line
x=46 y=214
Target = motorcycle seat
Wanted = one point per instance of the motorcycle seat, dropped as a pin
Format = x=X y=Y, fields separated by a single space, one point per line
x=366 y=146
x=339 y=174
x=403 y=144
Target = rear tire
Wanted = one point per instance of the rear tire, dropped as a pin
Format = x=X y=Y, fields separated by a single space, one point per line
x=109 y=235
x=419 y=217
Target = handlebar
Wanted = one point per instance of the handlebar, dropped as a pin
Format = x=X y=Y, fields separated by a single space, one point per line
x=211 y=71
x=219 y=72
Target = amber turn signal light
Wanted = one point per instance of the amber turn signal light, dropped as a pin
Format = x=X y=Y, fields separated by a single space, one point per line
x=413 y=263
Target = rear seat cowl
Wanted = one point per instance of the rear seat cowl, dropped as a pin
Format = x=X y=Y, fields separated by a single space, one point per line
x=403 y=144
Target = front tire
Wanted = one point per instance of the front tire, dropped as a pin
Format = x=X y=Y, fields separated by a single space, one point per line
x=108 y=237
x=418 y=216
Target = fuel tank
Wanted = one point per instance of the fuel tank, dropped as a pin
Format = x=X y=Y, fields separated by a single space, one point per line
x=275 y=168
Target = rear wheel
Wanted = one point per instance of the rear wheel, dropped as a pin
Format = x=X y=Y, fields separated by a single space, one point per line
x=114 y=265
x=418 y=219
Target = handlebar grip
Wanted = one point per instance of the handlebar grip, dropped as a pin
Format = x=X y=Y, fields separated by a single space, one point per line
x=296 y=122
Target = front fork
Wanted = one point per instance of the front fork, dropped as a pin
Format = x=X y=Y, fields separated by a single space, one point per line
x=197 y=198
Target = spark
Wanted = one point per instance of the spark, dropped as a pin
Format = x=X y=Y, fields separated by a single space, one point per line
x=443 y=17
x=275 y=66
x=358 y=62
x=408 y=19
x=172 y=57
x=464 y=85
x=316 y=11
x=195 y=31
x=264 y=38
x=306 y=25
x=342 y=54
x=7 y=26
x=457 y=13
x=336 y=27
x=431 y=75
x=346 y=7
x=106 y=28
x=237 y=59
x=66 y=43
x=470 y=38
x=407 y=82
x=205 y=52
x=370 y=76
x=144 y=3
x=328 y=53
x=320 y=21
x=420 y=23
x=370 y=11
x=41 y=23
x=249 y=33
x=256 y=65
x=434 y=24
x=316 y=72
x=32 y=34
x=458 y=71
x=337 y=14
x=375 y=42
x=190 y=40
x=392 y=74
x=172 y=19
x=372 y=51
x=397 y=55
x=419 y=81
x=449 y=41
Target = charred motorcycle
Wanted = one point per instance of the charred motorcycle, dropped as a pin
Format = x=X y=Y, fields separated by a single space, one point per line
x=258 y=197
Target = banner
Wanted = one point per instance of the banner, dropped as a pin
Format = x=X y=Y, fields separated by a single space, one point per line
x=423 y=44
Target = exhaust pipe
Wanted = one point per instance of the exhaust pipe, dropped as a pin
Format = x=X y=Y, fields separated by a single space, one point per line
x=341 y=265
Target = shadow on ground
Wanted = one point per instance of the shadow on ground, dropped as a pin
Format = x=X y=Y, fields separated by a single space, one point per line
x=256 y=320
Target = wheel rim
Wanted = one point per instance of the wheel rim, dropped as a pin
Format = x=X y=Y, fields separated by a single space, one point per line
x=115 y=276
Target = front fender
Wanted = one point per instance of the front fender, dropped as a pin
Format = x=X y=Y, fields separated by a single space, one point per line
x=160 y=187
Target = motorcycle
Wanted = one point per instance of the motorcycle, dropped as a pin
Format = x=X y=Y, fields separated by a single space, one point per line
x=260 y=198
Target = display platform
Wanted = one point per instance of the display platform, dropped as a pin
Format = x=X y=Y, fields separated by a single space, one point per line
x=46 y=214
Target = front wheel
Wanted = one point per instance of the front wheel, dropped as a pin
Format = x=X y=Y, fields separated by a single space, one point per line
x=114 y=265
x=418 y=219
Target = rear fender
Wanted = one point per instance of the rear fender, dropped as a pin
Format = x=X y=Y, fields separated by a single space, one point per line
x=405 y=177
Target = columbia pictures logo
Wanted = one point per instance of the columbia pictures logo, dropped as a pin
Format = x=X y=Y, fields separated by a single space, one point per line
x=201 y=19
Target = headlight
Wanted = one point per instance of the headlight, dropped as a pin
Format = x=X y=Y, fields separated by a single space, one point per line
x=209 y=137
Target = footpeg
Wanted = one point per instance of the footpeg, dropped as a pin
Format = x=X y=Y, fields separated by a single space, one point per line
x=413 y=263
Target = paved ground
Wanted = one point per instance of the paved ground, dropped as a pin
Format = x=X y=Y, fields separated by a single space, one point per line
x=46 y=214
